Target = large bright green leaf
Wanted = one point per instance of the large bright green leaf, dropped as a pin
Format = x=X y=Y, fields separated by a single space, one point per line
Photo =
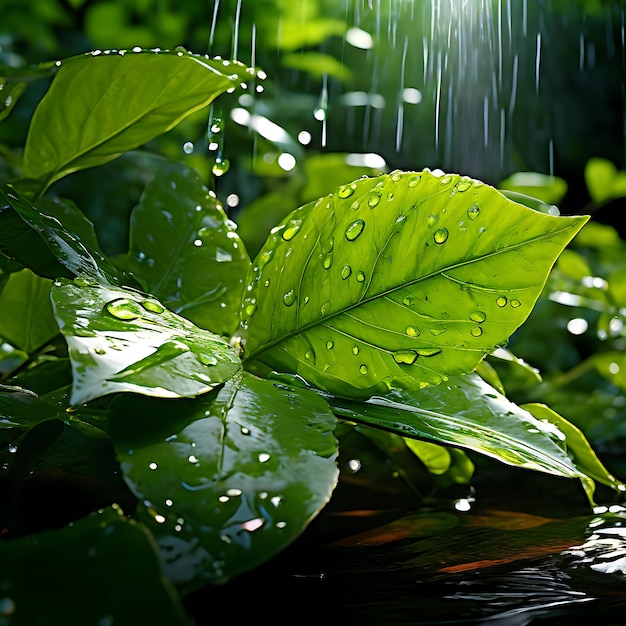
x=402 y=279
x=101 y=105
x=186 y=252
x=102 y=569
x=229 y=480
x=468 y=413
x=123 y=340
x=26 y=318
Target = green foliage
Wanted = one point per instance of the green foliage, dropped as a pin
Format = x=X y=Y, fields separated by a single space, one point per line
x=206 y=396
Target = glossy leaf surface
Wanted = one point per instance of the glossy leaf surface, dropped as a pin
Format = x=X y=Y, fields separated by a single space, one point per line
x=230 y=479
x=186 y=252
x=468 y=413
x=101 y=105
x=122 y=340
x=399 y=280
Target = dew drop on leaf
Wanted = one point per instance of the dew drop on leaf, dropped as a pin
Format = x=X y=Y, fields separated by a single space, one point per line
x=360 y=277
x=308 y=355
x=473 y=211
x=363 y=369
x=464 y=185
x=431 y=219
x=406 y=357
x=444 y=180
x=291 y=230
x=354 y=230
x=251 y=309
x=355 y=205
x=373 y=200
x=289 y=298
x=435 y=332
x=441 y=235
x=390 y=196
x=395 y=177
x=407 y=301
x=428 y=351
x=411 y=331
x=124 y=309
x=346 y=270
x=327 y=262
x=330 y=345
x=355 y=350
x=220 y=167
x=501 y=301
x=515 y=303
x=478 y=316
x=207 y=359
x=477 y=331
x=153 y=306
x=347 y=191
x=414 y=180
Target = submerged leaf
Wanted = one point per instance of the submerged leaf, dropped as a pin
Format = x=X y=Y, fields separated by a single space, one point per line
x=186 y=252
x=123 y=340
x=399 y=280
x=228 y=480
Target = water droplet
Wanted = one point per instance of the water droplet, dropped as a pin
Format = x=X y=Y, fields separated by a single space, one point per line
x=414 y=180
x=395 y=176
x=289 y=298
x=291 y=229
x=347 y=191
x=220 y=167
x=464 y=185
x=124 y=309
x=428 y=351
x=363 y=369
x=354 y=230
x=478 y=316
x=251 y=309
x=266 y=283
x=207 y=359
x=441 y=235
x=373 y=200
x=266 y=257
x=360 y=276
x=411 y=331
x=431 y=219
x=327 y=262
x=355 y=205
x=501 y=301
x=444 y=180
x=407 y=301
x=473 y=211
x=355 y=350
x=390 y=196
x=477 y=331
x=308 y=355
x=330 y=345
x=435 y=332
x=100 y=351
x=153 y=306
x=346 y=270
x=328 y=245
x=188 y=147
x=515 y=303
x=405 y=357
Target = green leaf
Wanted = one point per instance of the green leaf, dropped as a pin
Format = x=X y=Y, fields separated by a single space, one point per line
x=26 y=318
x=14 y=81
x=50 y=577
x=548 y=189
x=317 y=64
x=21 y=408
x=123 y=340
x=186 y=252
x=603 y=180
x=102 y=105
x=227 y=480
x=40 y=241
x=467 y=413
x=402 y=280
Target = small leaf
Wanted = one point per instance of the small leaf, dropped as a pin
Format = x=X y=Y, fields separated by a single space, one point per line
x=400 y=280
x=548 y=189
x=227 y=480
x=468 y=413
x=50 y=577
x=26 y=319
x=123 y=340
x=186 y=252
x=21 y=408
x=102 y=105
x=603 y=180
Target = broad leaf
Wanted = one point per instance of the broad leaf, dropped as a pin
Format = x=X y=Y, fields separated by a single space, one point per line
x=185 y=251
x=20 y=408
x=123 y=340
x=26 y=319
x=102 y=105
x=38 y=240
x=50 y=577
x=468 y=413
x=227 y=480
x=402 y=280
x=14 y=81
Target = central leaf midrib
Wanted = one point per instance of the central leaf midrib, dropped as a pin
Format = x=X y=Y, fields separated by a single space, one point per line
x=365 y=301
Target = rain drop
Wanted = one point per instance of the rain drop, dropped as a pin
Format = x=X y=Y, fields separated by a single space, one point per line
x=289 y=298
x=428 y=351
x=220 y=167
x=501 y=301
x=373 y=200
x=308 y=355
x=354 y=230
x=330 y=345
x=346 y=270
x=464 y=185
x=124 y=309
x=327 y=262
x=444 y=180
x=414 y=180
x=355 y=350
x=153 y=306
x=441 y=235
x=515 y=303
x=360 y=277
x=478 y=316
x=405 y=357
x=473 y=211
x=291 y=230
x=435 y=332
x=411 y=331
x=355 y=205
x=251 y=309
x=431 y=219
x=347 y=191
x=477 y=331
x=363 y=369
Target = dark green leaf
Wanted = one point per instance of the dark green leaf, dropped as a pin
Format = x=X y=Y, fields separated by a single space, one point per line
x=102 y=105
x=26 y=318
x=604 y=181
x=186 y=252
x=14 y=81
x=248 y=471
x=123 y=340
x=403 y=280
x=468 y=413
x=22 y=408
x=102 y=569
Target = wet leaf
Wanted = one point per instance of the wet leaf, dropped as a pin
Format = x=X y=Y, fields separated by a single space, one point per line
x=102 y=105
x=50 y=577
x=22 y=408
x=186 y=252
x=229 y=480
x=468 y=413
x=123 y=340
x=26 y=319
x=400 y=280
